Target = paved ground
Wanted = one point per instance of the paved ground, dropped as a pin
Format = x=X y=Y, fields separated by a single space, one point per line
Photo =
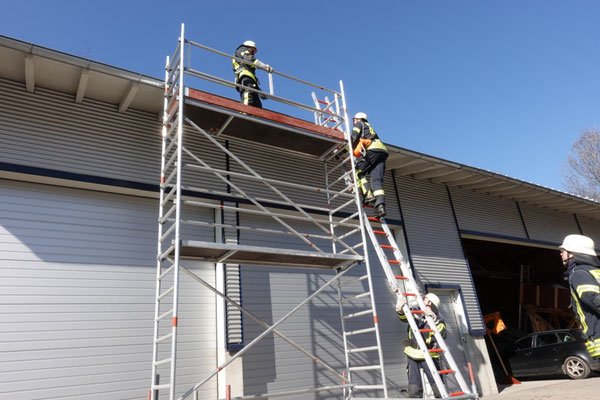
x=550 y=389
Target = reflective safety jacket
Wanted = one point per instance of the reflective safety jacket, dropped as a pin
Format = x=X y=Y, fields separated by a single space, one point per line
x=364 y=138
x=583 y=273
x=242 y=69
x=412 y=350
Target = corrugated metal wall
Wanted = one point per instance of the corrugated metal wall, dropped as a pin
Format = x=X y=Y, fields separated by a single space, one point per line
x=77 y=277
x=548 y=225
x=591 y=228
x=487 y=214
x=434 y=240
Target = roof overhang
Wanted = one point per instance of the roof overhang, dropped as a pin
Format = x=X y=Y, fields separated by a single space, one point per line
x=428 y=168
x=37 y=66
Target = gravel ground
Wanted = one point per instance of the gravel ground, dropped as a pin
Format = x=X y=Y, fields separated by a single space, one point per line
x=551 y=389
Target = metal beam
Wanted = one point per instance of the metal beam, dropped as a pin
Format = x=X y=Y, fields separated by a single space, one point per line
x=403 y=162
x=129 y=96
x=487 y=188
x=454 y=176
x=29 y=73
x=83 y=81
x=470 y=179
x=414 y=167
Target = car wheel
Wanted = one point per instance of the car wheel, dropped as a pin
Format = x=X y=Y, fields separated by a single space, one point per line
x=576 y=368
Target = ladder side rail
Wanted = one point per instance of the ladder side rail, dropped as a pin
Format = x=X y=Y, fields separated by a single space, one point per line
x=361 y=217
x=159 y=244
x=345 y=340
x=177 y=242
x=438 y=337
x=318 y=107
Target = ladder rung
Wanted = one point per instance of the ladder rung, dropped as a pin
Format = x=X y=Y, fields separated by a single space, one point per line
x=395 y=262
x=446 y=371
x=354 y=280
x=358 y=296
x=373 y=219
x=160 y=278
x=417 y=311
x=357 y=332
x=409 y=294
x=161 y=362
x=166 y=292
x=368 y=387
x=425 y=330
x=380 y=232
x=358 y=314
x=400 y=277
x=387 y=246
x=165 y=314
x=365 y=368
x=158 y=387
x=163 y=338
x=457 y=394
x=436 y=350
x=363 y=349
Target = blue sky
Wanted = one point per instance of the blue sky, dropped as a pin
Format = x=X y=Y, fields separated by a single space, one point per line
x=505 y=86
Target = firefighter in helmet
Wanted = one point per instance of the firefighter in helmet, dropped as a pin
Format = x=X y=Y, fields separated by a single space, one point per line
x=245 y=73
x=579 y=256
x=371 y=154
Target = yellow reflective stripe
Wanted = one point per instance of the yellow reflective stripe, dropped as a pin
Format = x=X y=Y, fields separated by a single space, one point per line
x=581 y=289
x=580 y=313
x=378 y=192
x=356 y=129
x=377 y=145
x=596 y=274
x=414 y=353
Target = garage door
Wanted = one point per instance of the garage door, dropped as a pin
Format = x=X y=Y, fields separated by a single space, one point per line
x=77 y=275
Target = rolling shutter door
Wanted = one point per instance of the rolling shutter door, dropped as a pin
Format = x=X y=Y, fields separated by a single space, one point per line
x=78 y=275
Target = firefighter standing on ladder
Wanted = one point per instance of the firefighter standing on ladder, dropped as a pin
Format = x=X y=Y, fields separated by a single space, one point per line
x=583 y=273
x=245 y=73
x=415 y=356
x=371 y=154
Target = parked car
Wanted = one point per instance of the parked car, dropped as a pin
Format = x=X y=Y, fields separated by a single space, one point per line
x=553 y=352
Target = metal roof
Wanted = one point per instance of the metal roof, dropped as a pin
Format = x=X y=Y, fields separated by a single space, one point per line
x=34 y=66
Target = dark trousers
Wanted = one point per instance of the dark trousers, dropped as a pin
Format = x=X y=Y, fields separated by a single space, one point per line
x=373 y=163
x=249 y=97
x=415 y=385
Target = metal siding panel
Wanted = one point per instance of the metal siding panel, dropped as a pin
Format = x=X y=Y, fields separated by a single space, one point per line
x=548 y=225
x=487 y=214
x=434 y=241
x=49 y=130
x=78 y=297
x=591 y=228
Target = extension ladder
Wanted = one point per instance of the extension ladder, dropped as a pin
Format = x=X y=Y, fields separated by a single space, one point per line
x=411 y=289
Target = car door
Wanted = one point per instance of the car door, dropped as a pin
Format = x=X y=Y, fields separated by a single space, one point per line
x=521 y=361
x=546 y=353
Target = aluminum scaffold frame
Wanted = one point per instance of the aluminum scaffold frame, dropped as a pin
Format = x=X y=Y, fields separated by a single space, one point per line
x=339 y=244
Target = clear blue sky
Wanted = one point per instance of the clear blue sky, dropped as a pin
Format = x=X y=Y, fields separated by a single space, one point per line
x=505 y=86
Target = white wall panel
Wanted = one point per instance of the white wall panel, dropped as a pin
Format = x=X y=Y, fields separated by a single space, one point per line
x=548 y=225
x=77 y=284
x=487 y=214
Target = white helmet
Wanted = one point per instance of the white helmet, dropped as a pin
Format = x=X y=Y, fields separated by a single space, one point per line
x=434 y=299
x=578 y=244
x=249 y=43
x=360 y=115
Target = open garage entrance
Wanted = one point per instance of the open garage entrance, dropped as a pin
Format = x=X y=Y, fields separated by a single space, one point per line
x=524 y=284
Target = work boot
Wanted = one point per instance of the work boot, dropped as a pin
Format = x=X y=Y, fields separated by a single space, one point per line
x=379 y=211
x=415 y=391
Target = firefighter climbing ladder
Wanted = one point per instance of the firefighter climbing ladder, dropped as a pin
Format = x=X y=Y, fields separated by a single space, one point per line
x=344 y=230
x=409 y=288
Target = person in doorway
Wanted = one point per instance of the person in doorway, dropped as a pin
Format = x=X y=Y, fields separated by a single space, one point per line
x=415 y=357
x=245 y=73
x=583 y=274
x=371 y=154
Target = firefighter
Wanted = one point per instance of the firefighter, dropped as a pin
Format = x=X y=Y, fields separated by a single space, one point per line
x=371 y=154
x=583 y=274
x=415 y=357
x=245 y=73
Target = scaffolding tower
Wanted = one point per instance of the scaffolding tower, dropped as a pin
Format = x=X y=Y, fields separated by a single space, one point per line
x=331 y=231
